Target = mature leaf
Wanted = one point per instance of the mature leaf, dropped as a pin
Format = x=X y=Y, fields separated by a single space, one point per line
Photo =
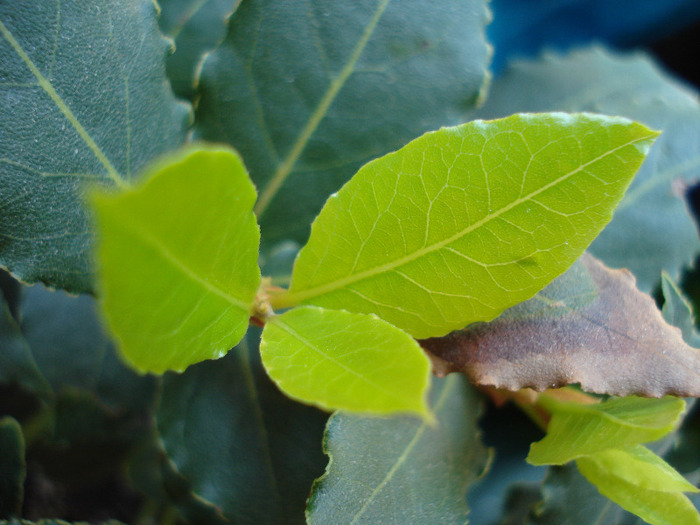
x=310 y=91
x=84 y=102
x=401 y=470
x=590 y=326
x=12 y=468
x=464 y=222
x=340 y=360
x=185 y=292
x=678 y=311
x=665 y=505
x=244 y=447
x=651 y=229
x=196 y=26
x=58 y=344
x=577 y=430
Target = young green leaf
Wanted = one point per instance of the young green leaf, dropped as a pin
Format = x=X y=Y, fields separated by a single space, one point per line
x=178 y=260
x=401 y=470
x=590 y=326
x=341 y=360
x=642 y=483
x=577 y=430
x=85 y=100
x=310 y=91
x=653 y=229
x=464 y=222
x=640 y=466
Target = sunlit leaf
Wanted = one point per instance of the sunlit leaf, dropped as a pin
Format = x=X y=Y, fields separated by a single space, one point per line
x=641 y=483
x=85 y=101
x=178 y=259
x=577 y=430
x=340 y=360
x=652 y=228
x=464 y=222
x=310 y=91
x=590 y=326
x=401 y=470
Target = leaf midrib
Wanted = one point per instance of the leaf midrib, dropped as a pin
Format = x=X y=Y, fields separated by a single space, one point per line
x=46 y=85
x=292 y=298
x=284 y=170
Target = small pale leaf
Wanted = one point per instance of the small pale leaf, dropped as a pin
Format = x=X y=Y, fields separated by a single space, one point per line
x=657 y=507
x=178 y=260
x=577 y=430
x=340 y=360
x=590 y=326
x=465 y=222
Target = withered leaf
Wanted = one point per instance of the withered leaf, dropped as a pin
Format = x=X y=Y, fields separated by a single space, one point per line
x=590 y=326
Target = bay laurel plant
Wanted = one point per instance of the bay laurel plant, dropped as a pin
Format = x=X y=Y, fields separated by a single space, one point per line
x=451 y=230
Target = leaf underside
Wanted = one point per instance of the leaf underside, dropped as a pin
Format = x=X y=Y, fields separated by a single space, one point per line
x=464 y=222
x=590 y=326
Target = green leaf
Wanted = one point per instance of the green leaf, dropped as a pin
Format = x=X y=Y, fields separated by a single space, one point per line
x=186 y=289
x=59 y=343
x=340 y=360
x=245 y=449
x=678 y=311
x=652 y=228
x=464 y=222
x=639 y=466
x=400 y=470
x=85 y=102
x=196 y=26
x=641 y=483
x=12 y=468
x=577 y=430
x=309 y=92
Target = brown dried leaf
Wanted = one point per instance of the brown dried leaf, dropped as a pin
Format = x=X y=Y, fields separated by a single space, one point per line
x=590 y=326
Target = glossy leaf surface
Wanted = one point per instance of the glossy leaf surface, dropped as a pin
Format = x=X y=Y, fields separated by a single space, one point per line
x=577 y=430
x=340 y=360
x=401 y=470
x=464 y=222
x=310 y=91
x=196 y=27
x=85 y=102
x=652 y=229
x=590 y=326
x=178 y=260
x=246 y=450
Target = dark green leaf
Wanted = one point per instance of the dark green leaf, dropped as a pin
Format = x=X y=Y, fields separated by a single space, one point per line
x=196 y=26
x=244 y=448
x=84 y=101
x=651 y=229
x=12 y=468
x=400 y=470
x=310 y=91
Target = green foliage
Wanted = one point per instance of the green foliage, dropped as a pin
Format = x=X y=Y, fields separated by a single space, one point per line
x=450 y=229
x=374 y=462
x=341 y=360
x=185 y=292
x=577 y=430
x=85 y=102
x=501 y=207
